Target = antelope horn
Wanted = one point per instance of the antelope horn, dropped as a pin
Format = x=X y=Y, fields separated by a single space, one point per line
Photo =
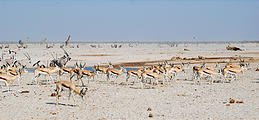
x=67 y=41
x=37 y=63
x=28 y=55
x=84 y=65
x=65 y=52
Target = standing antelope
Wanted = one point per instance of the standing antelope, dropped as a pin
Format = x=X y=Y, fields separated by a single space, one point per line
x=62 y=61
x=11 y=78
x=78 y=72
x=153 y=76
x=45 y=71
x=102 y=70
x=66 y=85
x=135 y=73
x=115 y=72
x=89 y=74
x=173 y=70
x=8 y=78
x=201 y=72
x=233 y=71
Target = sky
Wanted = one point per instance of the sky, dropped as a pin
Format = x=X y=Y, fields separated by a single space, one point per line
x=129 y=20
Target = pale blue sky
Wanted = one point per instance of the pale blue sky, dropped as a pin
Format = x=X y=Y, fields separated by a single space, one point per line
x=129 y=20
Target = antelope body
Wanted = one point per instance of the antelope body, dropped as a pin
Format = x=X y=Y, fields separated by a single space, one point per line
x=69 y=86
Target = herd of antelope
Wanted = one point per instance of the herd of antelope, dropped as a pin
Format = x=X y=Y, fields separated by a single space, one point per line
x=154 y=75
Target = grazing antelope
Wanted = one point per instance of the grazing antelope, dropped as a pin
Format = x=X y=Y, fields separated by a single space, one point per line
x=135 y=73
x=69 y=86
x=45 y=71
x=115 y=72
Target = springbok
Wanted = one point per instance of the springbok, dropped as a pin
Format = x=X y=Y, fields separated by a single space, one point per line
x=173 y=70
x=11 y=78
x=234 y=71
x=89 y=74
x=135 y=73
x=115 y=72
x=8 y=78
x=45 y=71
x=200 y=72
x=153 y=76
x=102 y=70
x=66 y=85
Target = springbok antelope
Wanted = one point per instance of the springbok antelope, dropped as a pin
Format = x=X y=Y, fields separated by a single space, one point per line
x=70 y=71
x=65 y=70
x=45 y=71
x=78 y=72
x=115 y=72
x=11 y=78
x=66 y=85
x=153 y=76
x=173 y=70
x=135 y=73
x=102 y=70
x=201 y=72
x=234 y=71
x=8 y=78
x=21 y=70
x=89 y=74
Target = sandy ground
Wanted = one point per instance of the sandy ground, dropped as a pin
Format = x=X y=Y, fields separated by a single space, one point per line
x=181 y=100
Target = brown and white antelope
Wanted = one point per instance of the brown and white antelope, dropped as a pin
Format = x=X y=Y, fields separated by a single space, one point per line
x=70 y=87
x=234 y=71
x=114 y=72
x=172 y=71
x=101 y=69
x=134 y=73
x=6 y=78
x=153 y=76
x=201 y=72
x=89 y=74
x=45 y=71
